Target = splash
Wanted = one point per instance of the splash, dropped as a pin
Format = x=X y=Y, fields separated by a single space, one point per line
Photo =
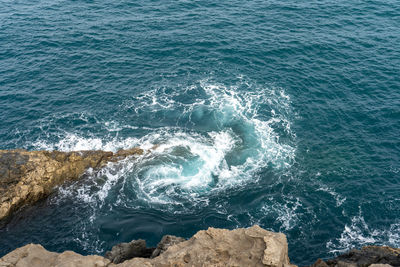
x=358 y=234
x=223 y=136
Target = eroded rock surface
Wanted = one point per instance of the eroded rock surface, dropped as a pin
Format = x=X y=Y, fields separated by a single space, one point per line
x=252 y=246
x=373 y=256
x=36 y=256
x=138 y=249
x=248 y=247
x=28 y=176
x=166 y=242
x=125 y=251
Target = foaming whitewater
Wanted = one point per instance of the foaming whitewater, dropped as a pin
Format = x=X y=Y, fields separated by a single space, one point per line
x=358 y=234
x=220 y=140
x=223 y=138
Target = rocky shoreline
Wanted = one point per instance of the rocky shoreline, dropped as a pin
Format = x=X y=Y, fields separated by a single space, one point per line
x=252 y=246
x=247 y=247
x=29 y=176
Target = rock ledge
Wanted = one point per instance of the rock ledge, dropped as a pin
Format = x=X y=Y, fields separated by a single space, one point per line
x=28 y=176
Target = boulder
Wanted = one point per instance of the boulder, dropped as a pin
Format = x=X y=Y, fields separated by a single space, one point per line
x=252 y=246
x=28 y=176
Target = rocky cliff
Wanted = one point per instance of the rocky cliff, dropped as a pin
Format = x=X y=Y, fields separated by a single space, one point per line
x=28 y=176
x=252 y=246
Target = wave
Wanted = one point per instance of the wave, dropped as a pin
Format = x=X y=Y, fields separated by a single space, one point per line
x=222 y=138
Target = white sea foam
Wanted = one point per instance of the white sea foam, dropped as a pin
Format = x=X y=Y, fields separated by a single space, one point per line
x=286 y=213
x=358 y=233
x=338 y=197
x=220 y=140
x=74 y=142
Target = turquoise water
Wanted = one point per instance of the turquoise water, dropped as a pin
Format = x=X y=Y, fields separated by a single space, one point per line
x=277 y=113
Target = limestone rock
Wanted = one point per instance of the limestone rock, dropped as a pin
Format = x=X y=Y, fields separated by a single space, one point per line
x=138 y=249
x=252 y=246
x=165 y=243
x=36 y=256
x=125 y=251
x=248 y=247
x=28 y=176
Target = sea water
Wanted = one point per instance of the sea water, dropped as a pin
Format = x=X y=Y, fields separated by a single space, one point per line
x=284 y=114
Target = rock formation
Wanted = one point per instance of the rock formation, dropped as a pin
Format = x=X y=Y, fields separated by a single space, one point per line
x=138 y=249
x=28 y=176
x=373 y=256
x=166 y=242
x=36 y=256
x=248 y=247
x=125 y=251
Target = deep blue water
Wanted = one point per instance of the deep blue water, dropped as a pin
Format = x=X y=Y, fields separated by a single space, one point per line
x=280 y=113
